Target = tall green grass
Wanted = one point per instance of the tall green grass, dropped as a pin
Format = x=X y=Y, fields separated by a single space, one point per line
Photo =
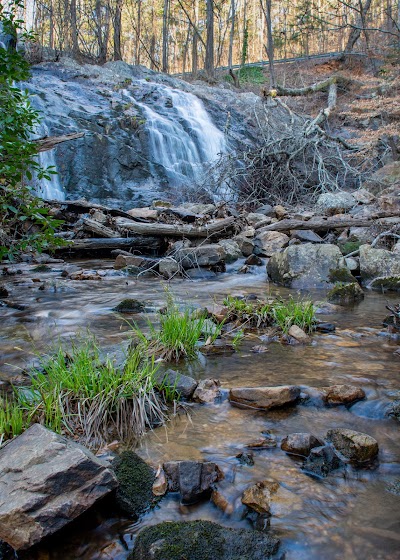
x=83 y=394
x=12 y=419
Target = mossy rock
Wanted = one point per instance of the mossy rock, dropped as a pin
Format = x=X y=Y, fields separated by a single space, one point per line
x=134 y=494
x=344 y=293
x=41 y=268
x=349 y=247
x=202 y=540
x=130 y=306
x=340 y=274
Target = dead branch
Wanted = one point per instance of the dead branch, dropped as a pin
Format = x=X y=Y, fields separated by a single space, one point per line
x=307 y=90
x=168 y=230
x=49 y=142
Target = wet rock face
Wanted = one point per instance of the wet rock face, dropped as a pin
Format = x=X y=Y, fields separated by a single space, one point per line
x=46 y=481
x=355 y=446
x=264 y=398
x=300 y=443
x=343 y=294
x=193 y=479
x=195 y=540
x=308 y=266
x=136 y=479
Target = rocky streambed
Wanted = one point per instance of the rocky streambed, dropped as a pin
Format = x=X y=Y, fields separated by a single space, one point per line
x=294 y=473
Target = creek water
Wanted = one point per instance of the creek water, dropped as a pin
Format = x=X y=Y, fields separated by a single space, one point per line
x=352 y=514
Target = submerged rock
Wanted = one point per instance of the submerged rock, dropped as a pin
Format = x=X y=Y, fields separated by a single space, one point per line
x=264 y=398
x=202 y=540
x=268 y=497
x=46 y=481
x=136 y=478
x=342 y=394
x=193 y=479
x=345 y=293
x=308 y=266
x=300 y=443
x=298 y=334
x=356 y=446
x=321 y=461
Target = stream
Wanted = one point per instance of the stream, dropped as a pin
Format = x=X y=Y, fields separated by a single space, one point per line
x=349 y=515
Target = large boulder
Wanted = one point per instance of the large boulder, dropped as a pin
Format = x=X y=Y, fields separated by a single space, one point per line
x=356 y=446
x=308 y=266
x=202 y=540
x=46 y=481
x=136 y=479
x=194 y=480
x=264 y=398
x=335 y=203
x=269 y=242
x=300 y=443
x=380 y=267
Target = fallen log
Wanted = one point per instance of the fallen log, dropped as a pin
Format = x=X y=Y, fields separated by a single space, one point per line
x=49 y=142
x=178 y=230
x=95 y=227
x=150 y=245
x=320 y=223
x=83 y=207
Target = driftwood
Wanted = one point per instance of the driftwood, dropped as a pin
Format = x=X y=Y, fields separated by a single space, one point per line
x=49 y=142
x=323 y=224
x=151 y=245
x=83 y=207
x=177 y=230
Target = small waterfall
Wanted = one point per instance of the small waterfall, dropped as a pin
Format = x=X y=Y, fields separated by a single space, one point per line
x=182 y=137
x=49 y=189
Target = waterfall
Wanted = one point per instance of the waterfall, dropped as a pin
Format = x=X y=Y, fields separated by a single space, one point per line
x=49 y=189
x=182 y=137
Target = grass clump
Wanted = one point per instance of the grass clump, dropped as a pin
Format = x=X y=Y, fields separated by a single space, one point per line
x=178 y=335
x=12 y=420
x=82 y=394
x=250 y=75
x=273 y=313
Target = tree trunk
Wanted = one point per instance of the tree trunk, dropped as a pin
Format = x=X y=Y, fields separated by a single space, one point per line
x=117 y=30
x=74 y=29
x=232 y=33
x=165 y=30
x=172 y=230
x=209 y=61
x=270 y=42
x=355 y=30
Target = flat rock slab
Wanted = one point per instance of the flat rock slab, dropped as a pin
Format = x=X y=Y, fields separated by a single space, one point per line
x=195 y=540
x=46 y=481
x=356 y=446
x=264 y=398
x=300 y=443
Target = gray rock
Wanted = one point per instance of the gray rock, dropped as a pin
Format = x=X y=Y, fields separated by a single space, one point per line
x=200 y=273
x=193 y=479
x=183 y=384
x=253 y=260
x=379 y=267
x=46 y=481
x=362 y=196
x=322 y=461
x=356 y=446
x=345 y=293
x=232 y=250
x=306 y=236
x=264 y=398
x=254 y=217
x=246 y=244
x=195 y=540
x=269 y=242
x=266 y=210
x=204 y=255
x=335 y=203
x=308 y=266
x=300 y=443
x=207 y=391
x=168 y=267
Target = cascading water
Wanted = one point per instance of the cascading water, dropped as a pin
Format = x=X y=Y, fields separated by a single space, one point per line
x=182 y=137
x=49 y=189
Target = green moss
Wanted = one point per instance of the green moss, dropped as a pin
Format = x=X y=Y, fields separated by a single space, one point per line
x=41 y=268
x=134 y=494
x=340 y=275
x=129 y=306
x=202 y=540
x=343 y=293
x=349 y=247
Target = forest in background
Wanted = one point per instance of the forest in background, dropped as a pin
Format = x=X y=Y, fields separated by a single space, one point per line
x=178 y=36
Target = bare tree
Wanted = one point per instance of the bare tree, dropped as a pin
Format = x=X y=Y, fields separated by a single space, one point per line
x=270 y=40
x=209 y=61
x=165 y=32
